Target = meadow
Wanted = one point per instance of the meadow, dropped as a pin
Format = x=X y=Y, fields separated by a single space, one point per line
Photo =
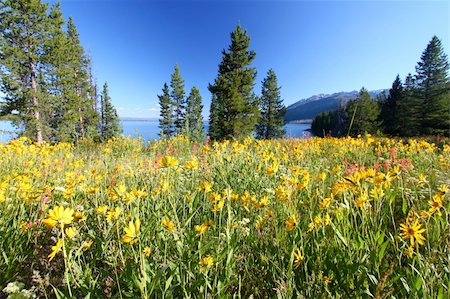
x=310 y=218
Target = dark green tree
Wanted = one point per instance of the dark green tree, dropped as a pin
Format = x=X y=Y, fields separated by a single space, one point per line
x=271 y=122
x=178 y=100
x=193 y=119
x=362 y=115
x=79 y=118
x=325 y=123
x=110 y=124
x=235 y=105
x=166 y=122
x=390 y=108
x=433 y=87
x=409 y=109
x=23 y=36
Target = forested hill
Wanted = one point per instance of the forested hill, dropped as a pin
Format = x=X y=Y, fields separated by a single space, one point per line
x=307 y=109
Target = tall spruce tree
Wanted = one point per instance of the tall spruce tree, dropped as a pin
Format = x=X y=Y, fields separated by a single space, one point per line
x=362 y=115
x=166 y=121
x=79 y=119
x=409 y=109
x=193 y=119
x=178 y=100
x=271 y=122
x=23 y=36
x=433 y=87
x=110 y=124
x=235 y=105
x=390 y=108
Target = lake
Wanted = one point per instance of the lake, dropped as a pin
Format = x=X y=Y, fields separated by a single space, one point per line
x=148 y=130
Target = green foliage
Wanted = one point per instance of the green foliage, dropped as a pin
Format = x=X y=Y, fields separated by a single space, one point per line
x=325 y=123
x=409 y=109
x=178 y=100
x=234 y=105
x=390 y=108
x=362 y=115
x=271 y=122
x=166 y=112
x=44 y=73
x=23 y=37
x=433 y=87
x=193 y=127
x=110 y=124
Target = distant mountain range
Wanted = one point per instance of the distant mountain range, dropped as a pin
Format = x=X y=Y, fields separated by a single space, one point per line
x=305 y=110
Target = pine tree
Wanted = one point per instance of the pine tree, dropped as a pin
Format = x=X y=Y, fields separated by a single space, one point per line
x=390 y=108
x=324 y=124
x=110 y=124
x=178 y=100
x=362 y=115
x=194 y=120
x=409 y=109
x=79 y=118
x=23 y=36
x=271 y=122
x=234 y=103
x=166 y=122
x=433 y=88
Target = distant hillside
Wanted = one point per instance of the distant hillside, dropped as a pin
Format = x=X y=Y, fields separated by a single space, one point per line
x=307 y=109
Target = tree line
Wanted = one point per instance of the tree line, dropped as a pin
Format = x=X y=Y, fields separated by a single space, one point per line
x=236 y=111
x=46 y=77
x=418 y=106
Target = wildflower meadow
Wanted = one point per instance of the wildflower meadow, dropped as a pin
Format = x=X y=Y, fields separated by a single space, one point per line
x=363 y=217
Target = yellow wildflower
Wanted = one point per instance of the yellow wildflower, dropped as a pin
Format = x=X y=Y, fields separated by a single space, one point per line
x=131 y=232
x=59 y=215
x=147 y=250
x=55 y=249
x=298 y=258
x=79 y=216
x=168 y=161
x=113 y=214
x=290 y=223
x=436 y=203
x=205 y=187
x=71 y=232
x=87 y=244
x=168 y=224
x=206 y=263
x=201 y=229
x=101 y=209
x=413 y=232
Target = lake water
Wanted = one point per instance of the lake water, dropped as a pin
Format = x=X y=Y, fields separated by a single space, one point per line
x=149 y=130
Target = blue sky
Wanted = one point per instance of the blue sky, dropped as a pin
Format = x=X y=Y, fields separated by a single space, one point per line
x=313 y=46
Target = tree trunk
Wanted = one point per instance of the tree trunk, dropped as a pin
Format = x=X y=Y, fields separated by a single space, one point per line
x=35 y=103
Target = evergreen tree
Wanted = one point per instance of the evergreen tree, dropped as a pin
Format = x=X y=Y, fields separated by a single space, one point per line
x=362 y=115
x=390 y=108
x=166 y=121
x=194 y=120
x=79 y=119
x=23 y=36
x=324 y=124
x=110 y=124
x=178 y=100
x=409 y=109
x=234 y=103
x=433 y=88
x=271 y=122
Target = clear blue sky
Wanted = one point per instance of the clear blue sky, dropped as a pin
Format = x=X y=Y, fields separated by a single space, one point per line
x=313 y=46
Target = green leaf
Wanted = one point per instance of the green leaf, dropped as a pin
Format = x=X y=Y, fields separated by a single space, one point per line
x=382 y=250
